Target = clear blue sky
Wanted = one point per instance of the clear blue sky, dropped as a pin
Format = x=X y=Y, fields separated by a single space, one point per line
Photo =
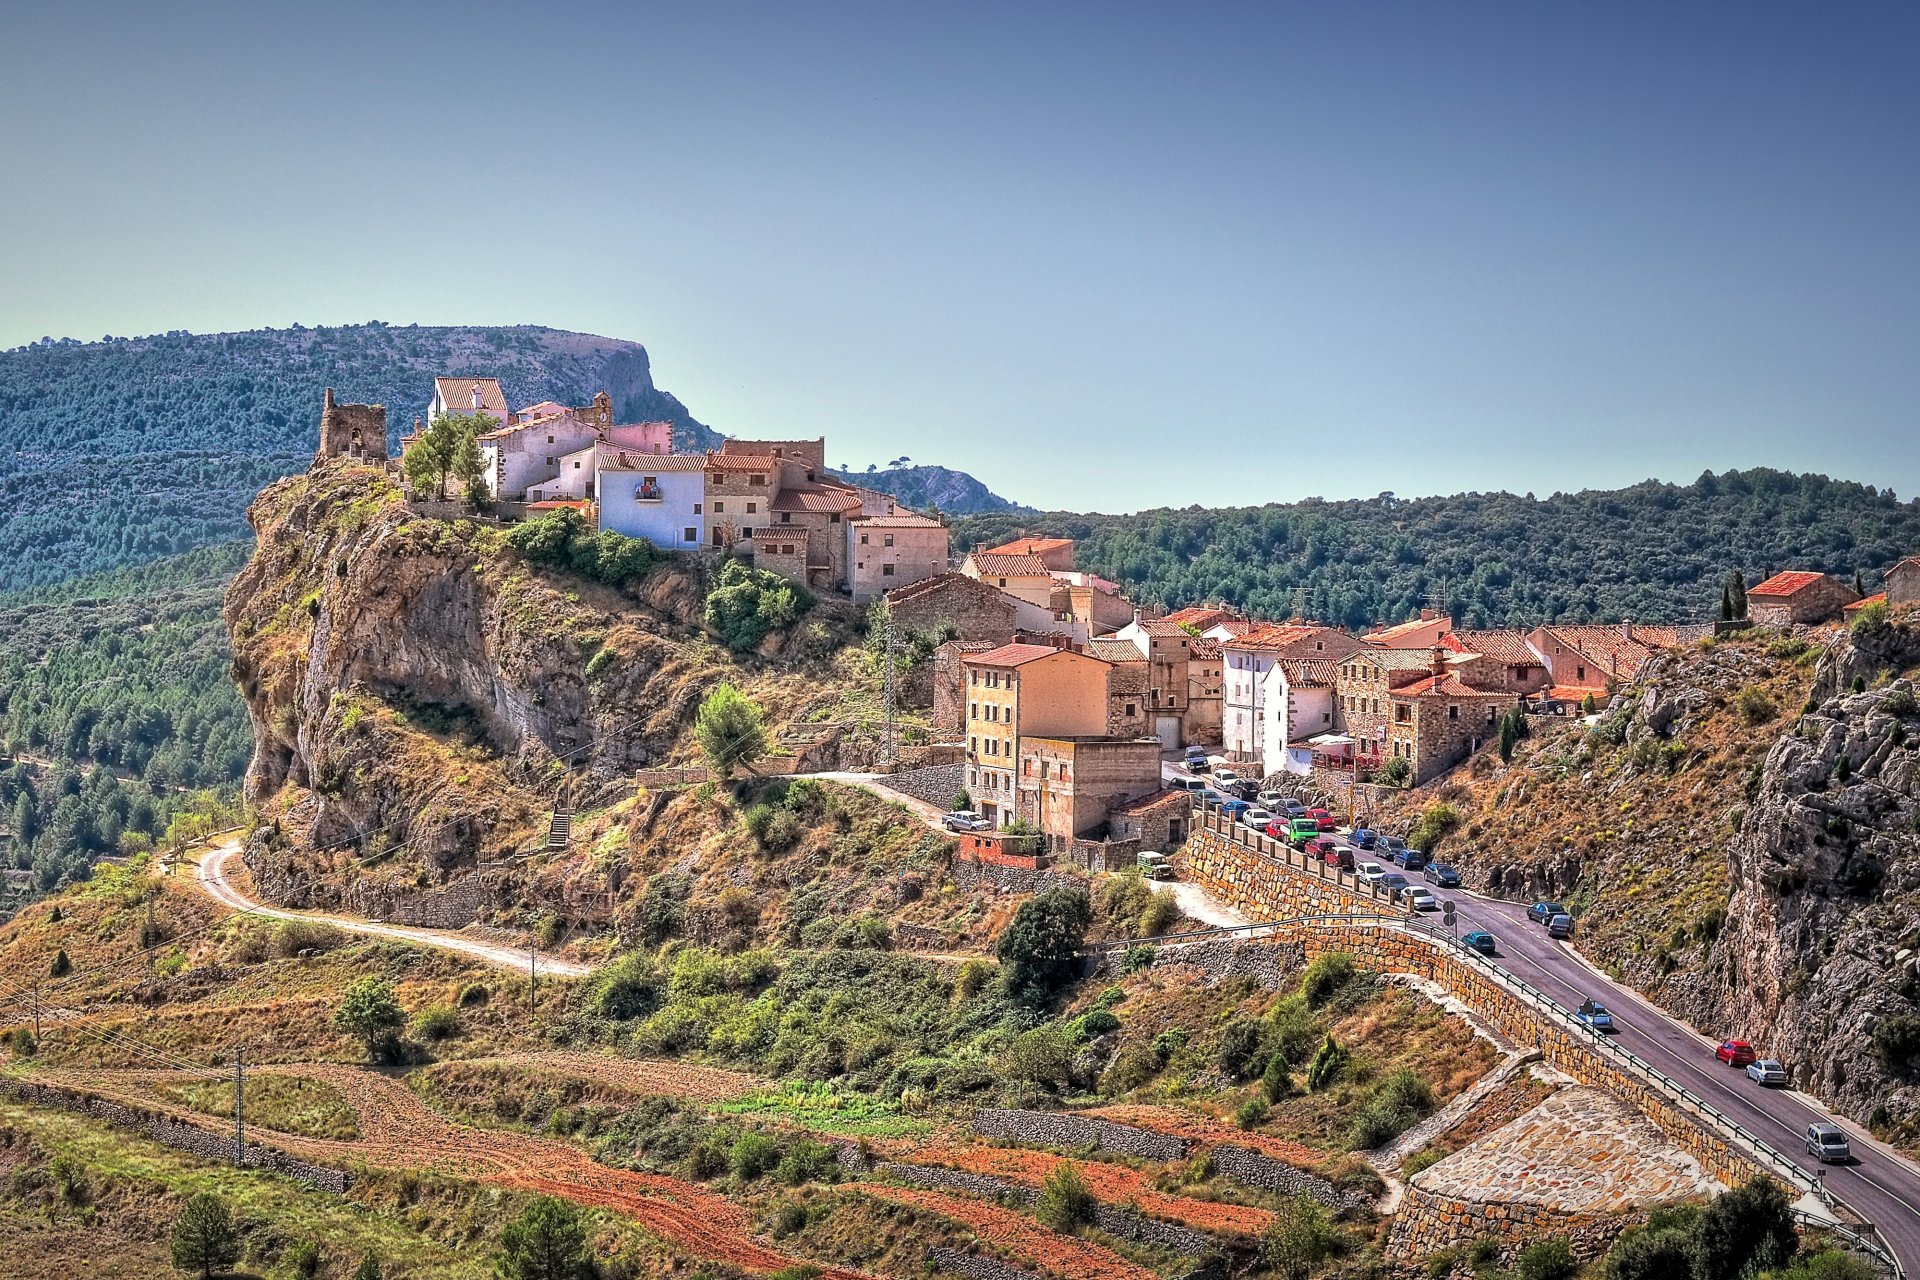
x=1108 y=256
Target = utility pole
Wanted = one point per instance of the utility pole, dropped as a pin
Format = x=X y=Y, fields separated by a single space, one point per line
x=888 y=692
x=36 y=1013
x=532 y=973
x=148 y=938
x=239 y=1110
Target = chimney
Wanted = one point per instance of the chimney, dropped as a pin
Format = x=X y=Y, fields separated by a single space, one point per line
x=476 y=395
x=1426 y=615
x=1626 y=629
x=1439 y=661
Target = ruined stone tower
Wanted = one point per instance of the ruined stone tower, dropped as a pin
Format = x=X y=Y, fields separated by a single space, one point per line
x=357 y=431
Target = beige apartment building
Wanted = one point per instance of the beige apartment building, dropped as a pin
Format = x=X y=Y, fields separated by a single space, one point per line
x=1025 y=689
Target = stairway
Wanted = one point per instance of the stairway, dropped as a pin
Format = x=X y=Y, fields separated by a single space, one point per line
x=560 y=830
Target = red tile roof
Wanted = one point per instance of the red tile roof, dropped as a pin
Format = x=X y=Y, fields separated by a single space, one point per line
x=458 y=394
x=1509 y=648
x=740 y=462
x=611 y=458
x=1449 y=684
x=898 y=520
x=1014 y=655
x=1202 y=617
x=814 y=499
x=1165 y=628
x=1786 y=584
x=1575 y=693
x=1115 y=651
x=1877 y=598
x=1204 y=648
x=1235 y=626
x=1310 y=671
x=1273 y=636
x=1026 y=547
x=1399 y=630
x=994 y=564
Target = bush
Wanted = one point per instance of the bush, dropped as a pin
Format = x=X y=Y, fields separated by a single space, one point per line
x=1896 y=1041
x=21 y=1044
x=436 y=1022
x=806 y=1160
x=1651 y=1255
x=564 y=540
x=1252 y=1113
x=730 y=730
x=1242 y=1054
x=1036 y=951
x=751 y=1155
x=61 y=966
x=1749 y=1229
x=474 y=994
x=1327 y=1063
x=548 y=1241
x=630 y=987
x=1755 y=706
x=1276 y=1082
x=1064 y=1201
x=1436 y=822
x=303 y=1259
x=369 y=1013
x=1138 y=958
x=1327 y=977
x=1549 y=1259
x=1395 y=1104
x=1300 y=1239
x=1161 y=911
x=294 y=936
x=746 y=605
x=1396 y=772
x=1098 y=1022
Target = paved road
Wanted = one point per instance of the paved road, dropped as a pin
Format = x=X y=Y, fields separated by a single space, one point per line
x=1880 y=1185
x=212 y=877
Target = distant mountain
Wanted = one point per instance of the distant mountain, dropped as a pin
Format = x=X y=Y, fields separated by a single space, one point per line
x=954 y=492
x=1651 y=552
x=128 y=449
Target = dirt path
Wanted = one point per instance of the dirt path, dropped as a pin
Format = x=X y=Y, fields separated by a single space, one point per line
x=212 y=876
x=642 y=1076
x=1025 y=1239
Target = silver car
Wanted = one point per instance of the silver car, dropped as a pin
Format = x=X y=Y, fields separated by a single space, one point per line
x=1767 y=1071
x=1827 y=1143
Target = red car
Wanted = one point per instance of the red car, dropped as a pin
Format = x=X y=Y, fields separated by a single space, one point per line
x=1328 y=824
x=1280 y=829
x=1735 y=1053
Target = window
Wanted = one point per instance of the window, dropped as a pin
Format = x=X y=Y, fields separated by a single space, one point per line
x=834 y=518
x=753 y=508
x=863 y=539
x=973 y=711
x=1130 y=708
x=756 y=478
x=1580 y=673
x=889 y=541
x=886 y=571
x=719 y=507
x=786 y=517
x=973 y=748
x=552 y=461
x=549 y=439
x=1453 y=713
x=690 y=534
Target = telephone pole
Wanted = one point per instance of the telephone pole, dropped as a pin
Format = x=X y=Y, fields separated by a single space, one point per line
x=532 y=975
x=239 y=1109
x=889 y=693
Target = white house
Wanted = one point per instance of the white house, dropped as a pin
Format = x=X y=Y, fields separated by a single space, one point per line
x=575 y=481
x=660 y=498
x=469 y=396
x=517 y=457
x=1277 y=685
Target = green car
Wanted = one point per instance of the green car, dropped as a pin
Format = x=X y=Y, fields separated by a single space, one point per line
x=1479 y=940
x=1303 y=829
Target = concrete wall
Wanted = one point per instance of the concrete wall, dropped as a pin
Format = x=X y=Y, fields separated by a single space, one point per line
x=880 y=559
x=663 y=523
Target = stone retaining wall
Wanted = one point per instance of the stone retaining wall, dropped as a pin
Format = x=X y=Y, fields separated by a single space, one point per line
x=1426 y=1223
x=1254 y=1169
x=967 y=873
x=454 y=905
x=1273 y=889
x=980 y=1267
x=1121 y=1223
x=1271 y=881
x=1066 y=1130
x=182 y=1137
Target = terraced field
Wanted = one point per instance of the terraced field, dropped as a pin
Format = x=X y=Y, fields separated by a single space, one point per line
x=1020 y=1236
x=1179 y=1123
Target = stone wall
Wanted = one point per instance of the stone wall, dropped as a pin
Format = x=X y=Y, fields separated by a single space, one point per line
x=1275 y=888
x=1066 y=1130
x=1122 y=1223
x=966 y=873
x=959 y=1262
x=182 y=1137
x=1425 y=1224
x=454 y=905
x=1254 y=1169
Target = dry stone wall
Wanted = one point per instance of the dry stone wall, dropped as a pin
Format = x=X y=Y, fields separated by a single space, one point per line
x=959 y=1262
x=1254 y=1169
x=1122 y=1223
x=1066 y=1130
x=1426 y=1223
x=968 y=872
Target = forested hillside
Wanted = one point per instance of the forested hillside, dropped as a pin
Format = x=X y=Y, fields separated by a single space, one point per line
x=116 y=710
x=128 y=449
x=1652 y=553
x=924 y=487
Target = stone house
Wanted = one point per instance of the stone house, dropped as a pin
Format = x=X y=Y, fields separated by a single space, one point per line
x=739 y=490
x=1055 y=553
x=950 y=683
x=892 y=550
x=1168 y=651
x=1508 y=662
x=974 y=610
x=527 y=453
x=1247 y=665
x=1069 y=785
x=1128 y=714
x=1203 y=692
x=1364 y=682
x=1156 y=822
x=1024 y=577
x=1439 y=720
x=1799 y=597
x=1021 y=690
x=1903 y=582
x=356 y=431
x=1586 y=659
x=1853 y=610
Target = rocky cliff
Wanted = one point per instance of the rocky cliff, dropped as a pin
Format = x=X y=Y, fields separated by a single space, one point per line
x=1740 y=833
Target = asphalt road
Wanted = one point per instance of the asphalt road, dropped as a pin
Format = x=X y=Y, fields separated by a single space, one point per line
x=212 y=876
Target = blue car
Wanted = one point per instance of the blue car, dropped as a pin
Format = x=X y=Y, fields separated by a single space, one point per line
x=1234 y=808
x=1443 y=875
x=1363 y=838
x=1593 y=1014
x=1480 y=940
x=1411 y=859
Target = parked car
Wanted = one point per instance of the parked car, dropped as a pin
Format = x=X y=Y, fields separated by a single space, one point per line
x=1561 y=926
x=1541 y=912
x=1828 y=1144
x=1154 y=866
x=1767 y=1071
x=964 y=820
x=1338 y=855
x=1363 y=838
x=1443 y=875
x=1225 y=777
x=1320 y=811
x=1280 y=829
x=1393 y=882
x=1232 y=808
x=1257 y=818
x=1420 y=898
x=1197 y=764
x=1372 y=872
x=1411 y=859
x=1302 y=830
x=1736 y=1053
x=1271 y=800
x=1294 y=808
x=1482 y=941
x=1592 y=1013
x=1329 y=823
x=1387 y=846
x=1187 y=784
x=1246 y=789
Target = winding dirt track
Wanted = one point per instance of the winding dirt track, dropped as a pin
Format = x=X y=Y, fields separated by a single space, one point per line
x=1066 y=1256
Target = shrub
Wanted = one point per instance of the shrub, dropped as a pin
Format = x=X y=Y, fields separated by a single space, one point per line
x=1651 y=1255
x=751 y=1155
x=630 y=987
x=1294 y=1031
x=1042 y=1056
x=1300 y=1239
x=563 y=540
x=21 y=1044
x=436 y=1022
x=1755 y=706
x=474 y=994
x=1162 y=910
x=548 y=1241
x=1749 y=1229
x=1252 y=1112
x=1436 y=822
x=1326 y=1065
x=1327 y=977
x=1138 y=958
x=1098 y=1022
x=730 y=730
x=1396 y=772
x=204 y=1240
x=1242 y=1045
x=303 y=1259
x=1896 y=1040
x=1132 y=1067
x=294 y=936
x=1396 y=1103
x=1276 y=1082
x=1037 y=950
x=61 y=966
x=1549 y=1259
x=1170 y=1042
x=369 y=1013
x=973 y=974
x=1064 y=1201
x=746 y=605
x=806 y=1160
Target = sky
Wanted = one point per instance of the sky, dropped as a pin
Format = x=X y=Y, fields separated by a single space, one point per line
x=1110 y=257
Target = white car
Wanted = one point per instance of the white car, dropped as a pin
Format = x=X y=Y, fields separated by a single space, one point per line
x=1420 y=898
x=964 y=820
x=1270 y=799
x=1372 y=872
x=1225 y=777
x=1256 y=818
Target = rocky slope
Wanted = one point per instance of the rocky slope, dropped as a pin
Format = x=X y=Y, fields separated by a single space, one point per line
x=1741 y=835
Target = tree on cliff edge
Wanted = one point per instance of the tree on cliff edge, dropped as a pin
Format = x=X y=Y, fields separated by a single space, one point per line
x=730 y=730
x=449 y=447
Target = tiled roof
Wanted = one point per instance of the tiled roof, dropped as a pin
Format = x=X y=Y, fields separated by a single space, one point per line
x=1154 y=802
x=1202 y=617
x=1115 y=651
x=1449 y=684
x=1026 y=547
x=813 y=498
x=1310 y=671
x=545 y=409
x=939 y=582
x=1274 y=637
x=1904 y=563
x=1576 y=692
x=1611 y=648
x=1014 y=655
x=610 y=458
x=1786 y=584
x=992 y=564
x=1879 y=597
x=899 y=520
x=1204 y=649
x=1394 y=659
x=739 y=462
x=1402 y=629
x=1165 y=628
x=1235 y=626
x=458 y=394
x=1509 y=648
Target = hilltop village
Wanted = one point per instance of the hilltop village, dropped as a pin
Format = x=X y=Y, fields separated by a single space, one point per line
x=1062 y=697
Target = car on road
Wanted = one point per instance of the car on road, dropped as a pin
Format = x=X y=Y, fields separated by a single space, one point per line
x=1372 y=872
x=1736 y=1053
x=1828 y=1144
x=1387 y=846
x=1225 y=777
x=1443 y=875
x=1411 y=859
x=1767 y=1071
x=1393 y=882
x=1196 y=760
x=1294 y=807
x=964 y=820
x=1257 y=818
x=1231 y=808
x=1271 y=800
x=1362 y=838
x=1594 y=1015
x=1561 y=926
x=1154 y=866
x=1280 y=829
x=1482 y=941
x=1338 y=855
x=1541 y=912
x=1302 y=830
x=1246 y=789
x=1420 y=898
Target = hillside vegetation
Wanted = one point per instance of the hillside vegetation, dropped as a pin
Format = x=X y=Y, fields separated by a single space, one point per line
x=1650 y=553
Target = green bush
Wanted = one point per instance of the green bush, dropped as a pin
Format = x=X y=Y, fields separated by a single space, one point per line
x=291 y=937
x=563 y=540
x=474 y=994
x=1098 y=1022
x=730 y=730
x=548 y=1241
x=1755 y=706
x=746 y=605
x=21 y=1044
x=1327 y=977
x=751 y=1155
x=1242 y=1054
x=1300 y=1239
x=1549 y=1259
x=204 y=1239
x=1161 y=910
x=1394 y=1105
x=1036 y=951
x=1747 y=1230
x=61 y=966
x=1065 y=1201
x=303 y=1259
x=1276 y=1082
x=436 y=1022
x=1651 y=1255
x=630 y=987
x=1896 y=1041
x=805 y=1160
x=1436 y=822
x=1326 y=1066
x=1252 y=1113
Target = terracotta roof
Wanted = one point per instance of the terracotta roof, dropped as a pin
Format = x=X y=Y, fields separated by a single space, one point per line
x=899 y=520
x=1155 y=800
x=992 y=564
x=545 y=409
x=1015 y=655
x=1166 y=628
x=1235 y=626
x=1115 y=651
x=1204 y=648
x=970 y=646
x=1509 y=648
x=458 y=394
x=1026 y=547
x=1310 y=671
x=1610 y=648
x=1203 y=616
x=1786 y=584
x=813 y=498
x=740 y=462
x=1398 y=630
x=1274 y=636
x=610 y=458
x=1879 y=597
x=1576 y=692
x=1449 y=684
